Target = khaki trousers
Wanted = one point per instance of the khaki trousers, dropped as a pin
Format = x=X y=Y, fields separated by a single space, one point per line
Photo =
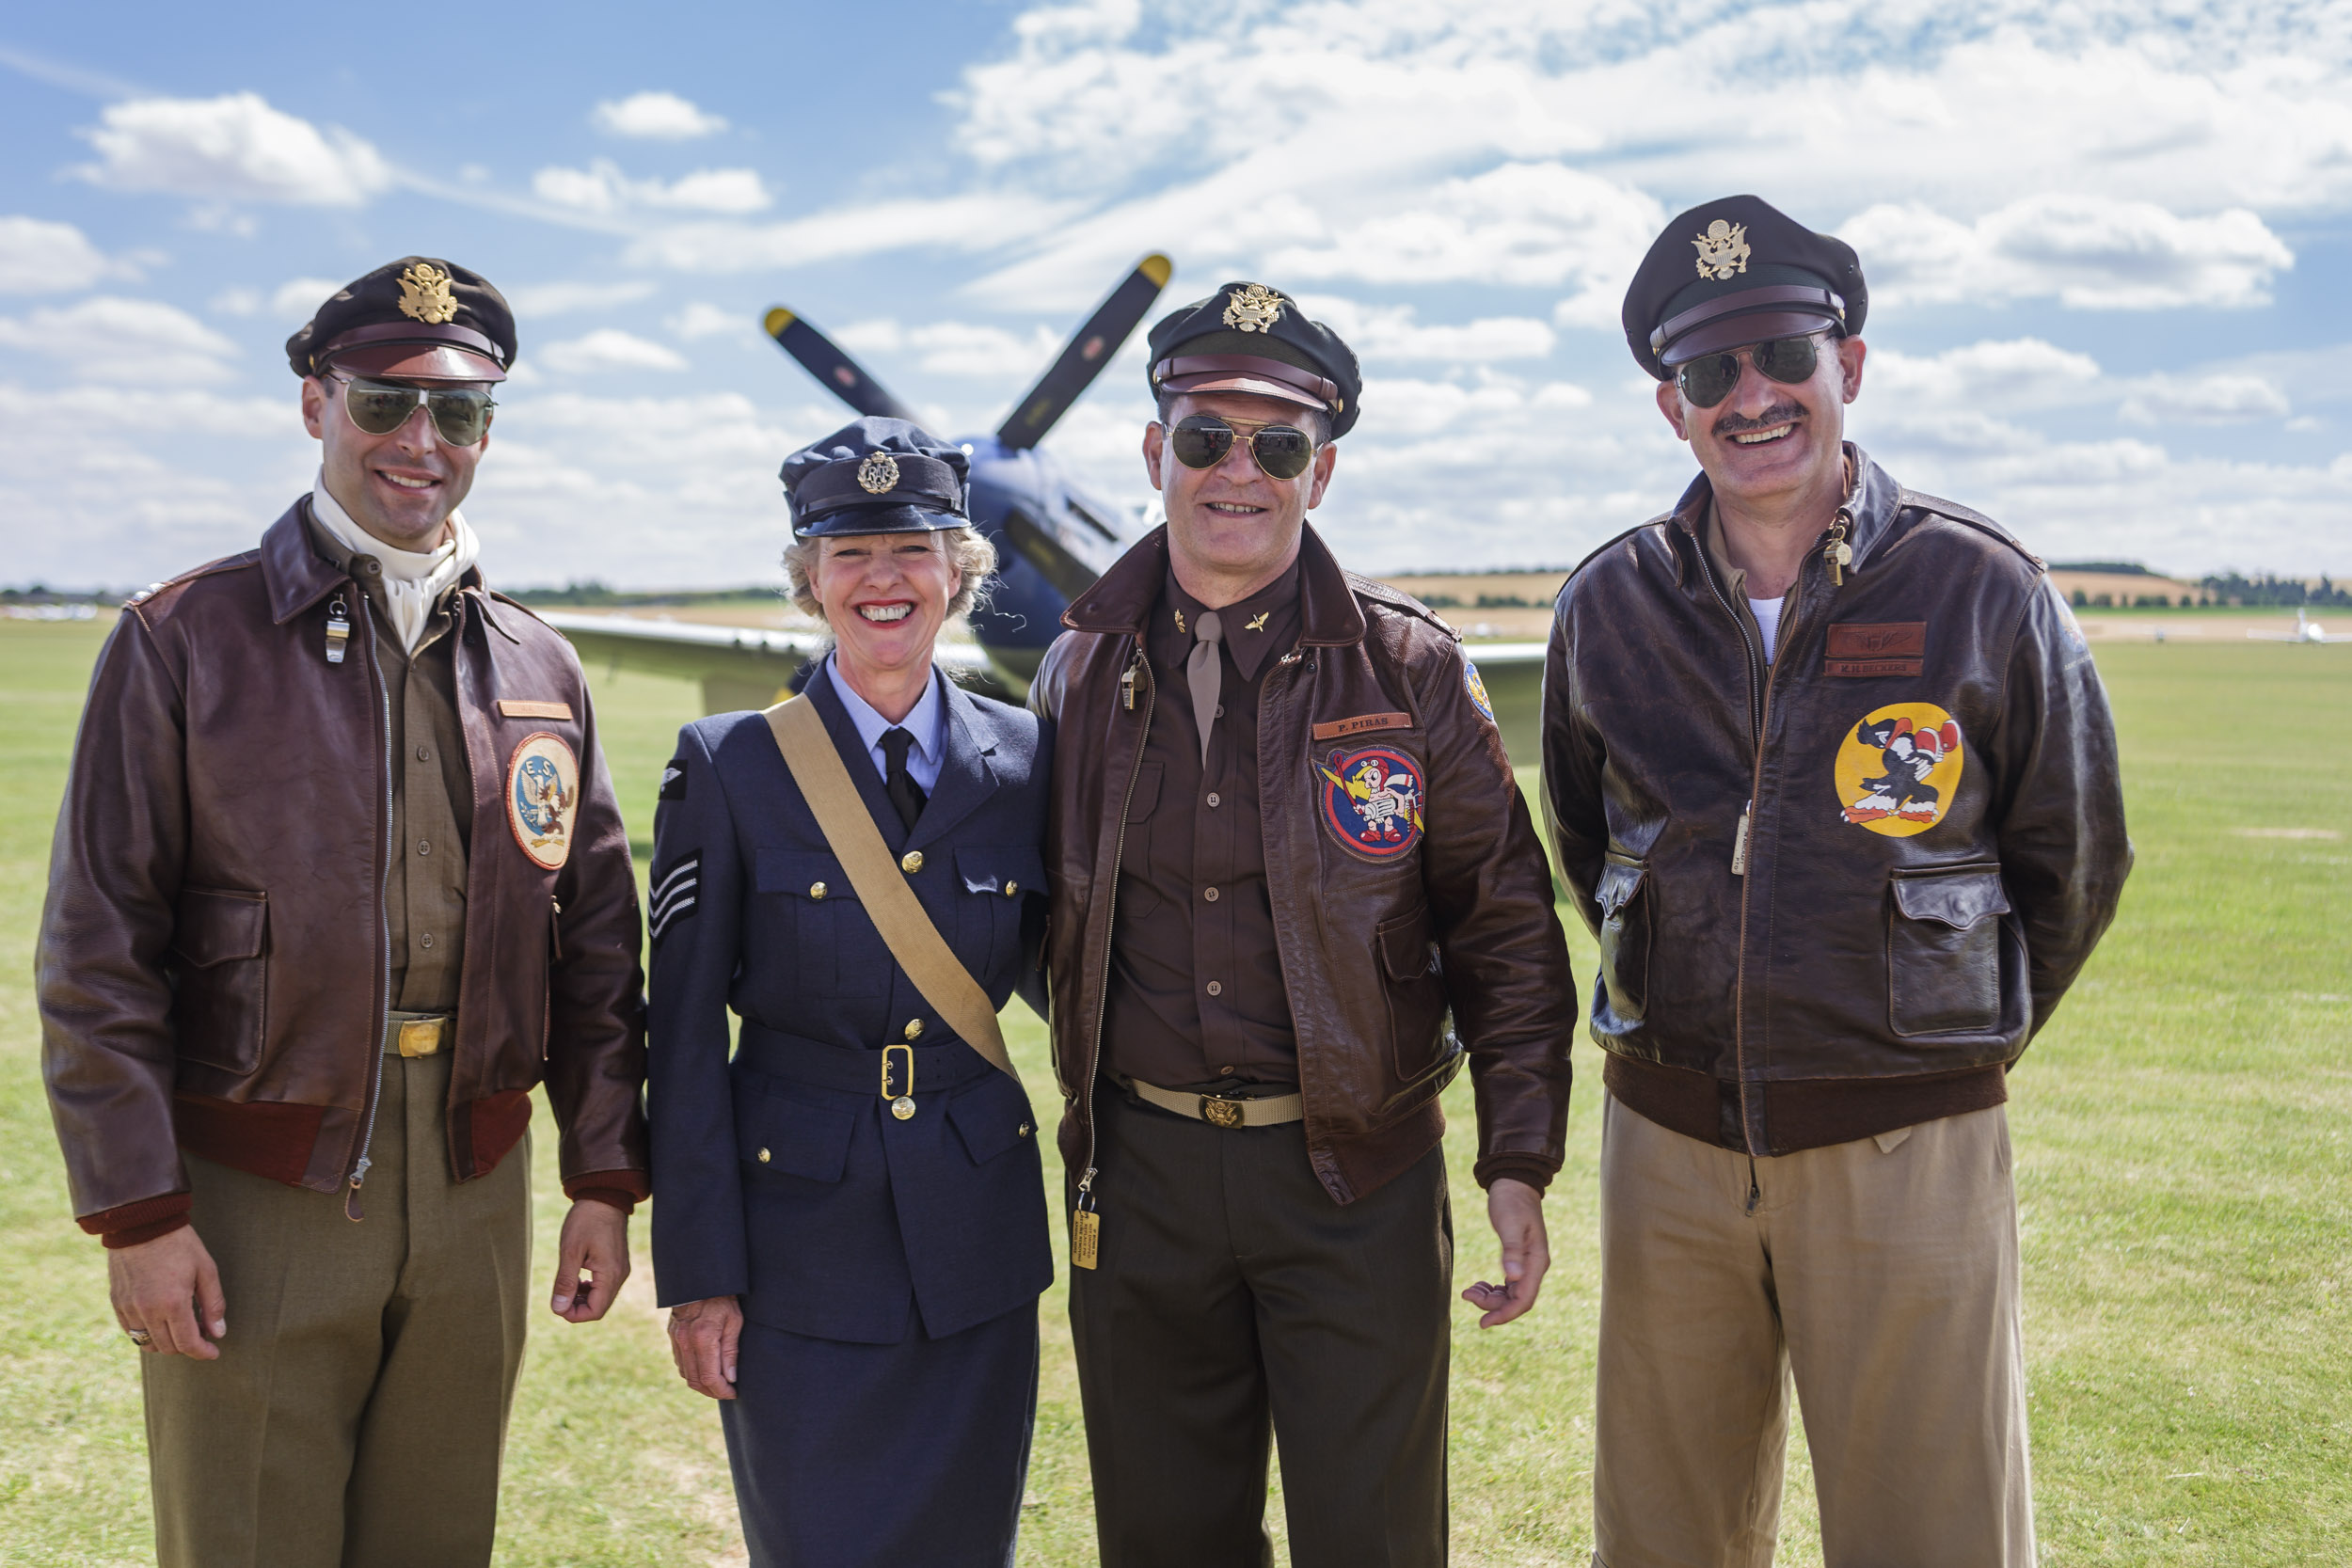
x=355 y=1415
x=1883 y=1274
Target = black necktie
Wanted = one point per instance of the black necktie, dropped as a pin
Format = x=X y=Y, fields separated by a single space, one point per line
x=898 y=784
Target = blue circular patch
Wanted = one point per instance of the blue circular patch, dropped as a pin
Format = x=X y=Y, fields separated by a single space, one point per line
x=1477 y=690
x=1373 y=801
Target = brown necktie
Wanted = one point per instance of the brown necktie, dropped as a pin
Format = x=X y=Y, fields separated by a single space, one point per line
x=1204 y=674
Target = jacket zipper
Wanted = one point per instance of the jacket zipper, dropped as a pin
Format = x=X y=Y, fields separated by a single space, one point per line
x=383 y=933
x=1759 y=714
x=1085 y=1227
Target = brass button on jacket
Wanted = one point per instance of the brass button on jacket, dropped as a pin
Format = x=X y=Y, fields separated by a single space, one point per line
x=911 y=862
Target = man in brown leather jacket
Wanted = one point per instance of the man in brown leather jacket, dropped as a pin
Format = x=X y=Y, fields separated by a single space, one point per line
x=1833 y=779
x=338 y=878
x=1284 y=845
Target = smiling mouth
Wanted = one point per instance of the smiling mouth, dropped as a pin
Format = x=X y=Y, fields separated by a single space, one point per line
x=884 y=614
x=1759 y=437
x=1234 y=509
x=407 y=483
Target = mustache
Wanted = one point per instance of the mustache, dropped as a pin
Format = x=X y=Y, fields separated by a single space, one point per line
x=1779 y=413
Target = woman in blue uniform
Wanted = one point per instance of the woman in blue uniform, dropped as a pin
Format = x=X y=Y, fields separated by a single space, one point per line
x=852 y=1260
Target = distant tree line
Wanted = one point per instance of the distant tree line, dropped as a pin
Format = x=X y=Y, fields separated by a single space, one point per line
x=2267 y=590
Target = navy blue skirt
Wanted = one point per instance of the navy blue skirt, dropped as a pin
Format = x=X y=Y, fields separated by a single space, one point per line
x=893 y=1455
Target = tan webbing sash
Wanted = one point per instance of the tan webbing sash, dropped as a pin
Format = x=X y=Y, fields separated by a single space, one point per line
x=897 y=914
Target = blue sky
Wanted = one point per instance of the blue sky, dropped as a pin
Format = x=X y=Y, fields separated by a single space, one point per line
x=2107 y=249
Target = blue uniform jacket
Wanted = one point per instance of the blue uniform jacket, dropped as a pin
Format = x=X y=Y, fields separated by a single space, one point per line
x=783 y=1178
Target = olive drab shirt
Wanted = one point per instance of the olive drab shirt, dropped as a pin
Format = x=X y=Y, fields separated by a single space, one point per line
x=432 y=819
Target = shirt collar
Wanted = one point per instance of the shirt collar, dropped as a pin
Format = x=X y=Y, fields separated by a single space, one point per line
x=1255 y=627
x=923 y=722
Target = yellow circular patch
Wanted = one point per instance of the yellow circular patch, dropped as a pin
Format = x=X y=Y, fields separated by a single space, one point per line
x=1899 y=768
x=542 y=797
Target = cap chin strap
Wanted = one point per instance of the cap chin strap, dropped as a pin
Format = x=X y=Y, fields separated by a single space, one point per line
x=1770 y=297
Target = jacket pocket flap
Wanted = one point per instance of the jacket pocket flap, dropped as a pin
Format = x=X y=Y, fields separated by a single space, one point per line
x=1958 y=898
x=1405 y=946
x=815 y=874
x=992 y=1118
x=1007 y=871
x=1144 y=799
x=790 y=1136
x=1619 y=882
x=215 y=926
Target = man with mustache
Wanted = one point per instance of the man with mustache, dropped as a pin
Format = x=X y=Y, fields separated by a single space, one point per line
x=339 y=880
x=1809 y=1007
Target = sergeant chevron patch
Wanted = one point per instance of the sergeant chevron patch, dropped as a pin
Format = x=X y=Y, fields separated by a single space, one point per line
x=673 y=895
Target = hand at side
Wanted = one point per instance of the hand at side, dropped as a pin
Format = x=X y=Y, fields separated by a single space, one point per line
x=594 y=1242
x=703 y=1337
x=1516 y=1210
x=170 y=1289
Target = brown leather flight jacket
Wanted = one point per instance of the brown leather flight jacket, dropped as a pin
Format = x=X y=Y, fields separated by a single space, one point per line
x=1373 y=951
x=213 y=964
x=1835 y=894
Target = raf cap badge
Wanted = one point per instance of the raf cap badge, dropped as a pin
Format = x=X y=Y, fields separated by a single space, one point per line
x=879 y=474
x=1722 y=250
x=1255 y=309
x=424 y=295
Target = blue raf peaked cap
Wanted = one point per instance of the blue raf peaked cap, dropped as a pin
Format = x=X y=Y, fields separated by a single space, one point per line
x=877 y=476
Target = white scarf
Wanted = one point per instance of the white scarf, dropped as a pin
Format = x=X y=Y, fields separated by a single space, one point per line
x=413 y=582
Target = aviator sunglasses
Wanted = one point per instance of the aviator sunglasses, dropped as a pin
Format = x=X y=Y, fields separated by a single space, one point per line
x=1708 y=379
x=1201 y=441
x=461 y=413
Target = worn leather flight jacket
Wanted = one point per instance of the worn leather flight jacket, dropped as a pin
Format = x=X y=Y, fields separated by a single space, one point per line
x=1839 y=893
x=213 y=961
x=1383 y=922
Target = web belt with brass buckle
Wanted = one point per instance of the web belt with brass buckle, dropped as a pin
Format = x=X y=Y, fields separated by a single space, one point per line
x=416 y=1034
x=1220 y=1110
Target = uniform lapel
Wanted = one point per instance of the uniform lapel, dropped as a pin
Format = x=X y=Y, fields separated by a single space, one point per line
x=857 y=759
x=966 y=778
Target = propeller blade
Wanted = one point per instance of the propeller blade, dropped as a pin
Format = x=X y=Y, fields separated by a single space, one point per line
x=1054 y=560
x=1088 y=351
x=843 y=377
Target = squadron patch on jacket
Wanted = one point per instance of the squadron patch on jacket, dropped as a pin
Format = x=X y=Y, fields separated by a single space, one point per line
x=1476 y=686
x=1897 y=771
x=674 y=778
x=1372 y=801
x=542 y=797
x=673 y=895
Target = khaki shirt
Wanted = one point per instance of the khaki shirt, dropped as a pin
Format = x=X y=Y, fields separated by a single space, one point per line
x=432 y=816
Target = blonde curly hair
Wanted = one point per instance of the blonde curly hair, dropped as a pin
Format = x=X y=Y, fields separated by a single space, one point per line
x=968 y=551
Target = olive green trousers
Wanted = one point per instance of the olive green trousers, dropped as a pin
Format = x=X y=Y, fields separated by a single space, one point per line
x=355 y=1415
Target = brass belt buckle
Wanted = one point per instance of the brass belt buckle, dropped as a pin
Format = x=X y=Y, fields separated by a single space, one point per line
x=901 y=1106
x=1221 y=1113
x=421 y=1037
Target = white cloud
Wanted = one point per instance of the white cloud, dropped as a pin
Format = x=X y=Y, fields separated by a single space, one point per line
x=106 y=338
x=656 y=117
x=603 y=188
x=1390 y=332
x=956 y=348
x=2012 y=372
x=235 y=148
x=701 y=319
x=977 y=221
x=2090 y=252
x=39 y=257
x=294 y=301
x=2216 y=399
x=568 y=299
x=609 y=349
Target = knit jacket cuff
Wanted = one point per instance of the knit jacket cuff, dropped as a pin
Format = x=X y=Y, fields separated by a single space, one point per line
x=130 y=1224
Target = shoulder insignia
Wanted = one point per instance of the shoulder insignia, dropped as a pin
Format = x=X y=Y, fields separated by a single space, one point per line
x=673 y=779
x=1476 y=687
x=674 y=892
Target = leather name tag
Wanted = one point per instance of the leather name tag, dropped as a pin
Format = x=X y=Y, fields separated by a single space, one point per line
x=1885 y=648
x=1362 y=724
x=517 y=707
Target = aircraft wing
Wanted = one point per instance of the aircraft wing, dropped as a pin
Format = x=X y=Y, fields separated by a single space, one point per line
x=1512 y=673
x=738 y=667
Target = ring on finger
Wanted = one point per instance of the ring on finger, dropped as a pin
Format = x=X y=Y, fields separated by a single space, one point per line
x=140 y=1338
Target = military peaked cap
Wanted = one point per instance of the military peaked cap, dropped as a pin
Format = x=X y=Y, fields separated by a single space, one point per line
x=877 y=476
x=417 y=319
x=1246 y=337
x=1737 y=271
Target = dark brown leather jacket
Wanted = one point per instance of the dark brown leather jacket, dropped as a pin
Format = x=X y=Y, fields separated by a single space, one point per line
x=1837 y=894
x=213 y=964
x=1373 y=951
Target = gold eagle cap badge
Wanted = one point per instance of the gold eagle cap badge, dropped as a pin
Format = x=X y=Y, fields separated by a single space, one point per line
x=1722 y=250
x=1255 y=309
x=424 y=294
x=879 y=474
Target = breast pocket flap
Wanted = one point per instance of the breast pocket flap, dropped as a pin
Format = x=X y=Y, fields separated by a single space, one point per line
x=1618 y=884
x=1008 y=872
x=1405 y=946
x=1956 y=899
x=791 y=1137
x=992 y=1118
x=215 y=926
x=810 y=874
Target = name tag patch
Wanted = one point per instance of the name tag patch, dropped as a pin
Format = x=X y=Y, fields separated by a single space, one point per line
x=525 y=707
x=1363 y=723
x=1859 y=648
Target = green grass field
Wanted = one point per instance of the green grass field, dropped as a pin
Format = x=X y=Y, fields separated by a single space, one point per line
x=2184 y=1167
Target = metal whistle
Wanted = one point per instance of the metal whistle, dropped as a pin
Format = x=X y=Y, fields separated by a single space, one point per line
x=338 y=630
